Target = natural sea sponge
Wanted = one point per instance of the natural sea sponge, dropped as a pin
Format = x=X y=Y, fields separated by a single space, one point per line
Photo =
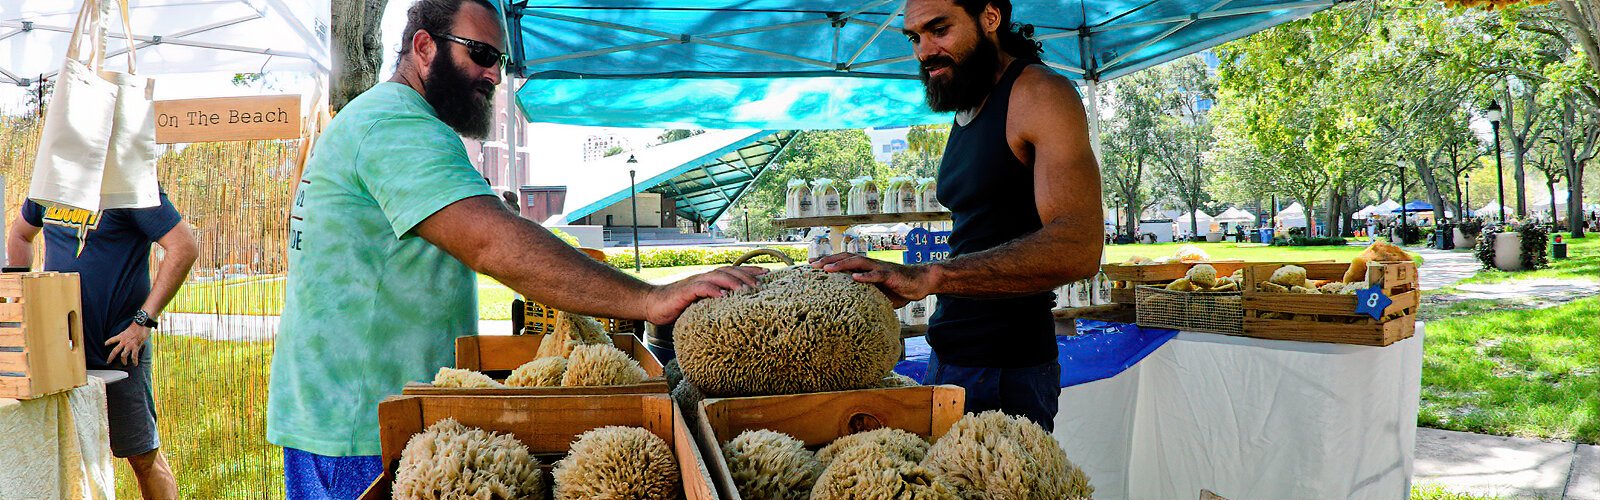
x=1202 y=275
x=451 y=460
x=1190 y=254
x=672 y=373
x=802 y=330
x=896 y=380
x=542 y=372
x=771 y=465
x=1136 y=260
x=601 y=364
x=617 y=462
x=456 y=377
x=1378 y=251
x=894 y=442
x=1181 y=285
x=1268 y=286
x=873 y=472
x=1289 y=276
x=571 y=330
x=993 y=455
x=688 y=398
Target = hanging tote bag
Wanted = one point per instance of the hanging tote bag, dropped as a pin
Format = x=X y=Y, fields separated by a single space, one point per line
x=97 y=149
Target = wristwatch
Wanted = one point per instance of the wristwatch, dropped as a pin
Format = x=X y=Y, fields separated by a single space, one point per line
x=143 y=319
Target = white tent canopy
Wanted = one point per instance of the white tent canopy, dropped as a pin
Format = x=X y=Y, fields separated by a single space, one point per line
x=1543 y=202
x=1234 y=216
x=1490 y=210
x=1365 y=212
x=1387 y=208
x=172 y=37
x=1202 y=221
x=1293 y=216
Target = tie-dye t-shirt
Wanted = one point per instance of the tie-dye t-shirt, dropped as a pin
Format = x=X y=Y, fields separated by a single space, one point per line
x=369 y=304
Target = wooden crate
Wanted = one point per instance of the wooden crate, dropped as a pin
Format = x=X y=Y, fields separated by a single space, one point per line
x=1127 y=278
x=537 y=319
x=41 y=334
x=1332 y=318
x=819 y=418
x=497 y=355
x=547 y=425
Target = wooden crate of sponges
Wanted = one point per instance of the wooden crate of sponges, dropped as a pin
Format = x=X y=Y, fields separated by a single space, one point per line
x=1200 y=301
x=597 y=446
x=1316 y=302
x=1129 y=276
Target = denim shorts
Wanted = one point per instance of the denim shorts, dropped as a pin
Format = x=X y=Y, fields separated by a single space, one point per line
x=1033 y=392
x=131 y=409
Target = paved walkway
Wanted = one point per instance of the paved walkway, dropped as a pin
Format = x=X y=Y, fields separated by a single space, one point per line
x=1499 y=466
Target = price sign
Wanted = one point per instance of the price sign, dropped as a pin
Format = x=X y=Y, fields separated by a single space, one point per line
x=1372 y=301
x=924 y=246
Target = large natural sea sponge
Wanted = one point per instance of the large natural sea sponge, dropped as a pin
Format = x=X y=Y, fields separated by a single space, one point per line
x=771 y=465
x=451 y=460
x=601 y=364
x=618 y=462
x=802 y=330
x=571 y=330
x=993 y=455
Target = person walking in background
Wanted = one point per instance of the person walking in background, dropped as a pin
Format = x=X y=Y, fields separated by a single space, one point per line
x=110 y=251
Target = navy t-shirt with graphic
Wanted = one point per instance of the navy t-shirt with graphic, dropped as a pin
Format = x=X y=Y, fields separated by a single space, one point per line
x=112 y=261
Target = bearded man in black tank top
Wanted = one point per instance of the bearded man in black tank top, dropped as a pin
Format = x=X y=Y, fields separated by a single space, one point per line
x=1023 y=189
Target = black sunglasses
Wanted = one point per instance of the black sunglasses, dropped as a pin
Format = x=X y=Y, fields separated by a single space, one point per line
x=481 y=53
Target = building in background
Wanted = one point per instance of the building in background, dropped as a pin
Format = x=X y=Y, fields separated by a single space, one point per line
x=887 y=141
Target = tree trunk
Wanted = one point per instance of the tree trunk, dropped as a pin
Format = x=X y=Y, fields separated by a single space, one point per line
x=1575 y=198
x=357 y=50
x=1553 y=218
x=1332 y=226
x=1432 y=187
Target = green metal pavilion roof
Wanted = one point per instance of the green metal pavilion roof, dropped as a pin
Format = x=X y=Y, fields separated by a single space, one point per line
x=703 y=174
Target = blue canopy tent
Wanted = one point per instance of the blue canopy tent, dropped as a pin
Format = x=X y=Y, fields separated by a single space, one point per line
x=817 y=64
x=1414 y=207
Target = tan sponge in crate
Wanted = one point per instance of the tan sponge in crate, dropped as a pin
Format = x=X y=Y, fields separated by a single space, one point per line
x=41 y=334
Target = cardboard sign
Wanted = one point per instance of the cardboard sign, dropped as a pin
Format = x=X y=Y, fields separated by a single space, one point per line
x=228 y=119
x=924 y=246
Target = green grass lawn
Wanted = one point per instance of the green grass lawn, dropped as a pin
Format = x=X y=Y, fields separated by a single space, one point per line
x=1583 y=262
x=1491 y=368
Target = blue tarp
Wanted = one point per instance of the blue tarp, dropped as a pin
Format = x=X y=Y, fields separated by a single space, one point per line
x=816 y=64
x=1100 y=350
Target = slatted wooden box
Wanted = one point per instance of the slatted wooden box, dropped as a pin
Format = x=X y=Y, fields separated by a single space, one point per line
x=41 y=334
x=1332 y=318
x=547 y=425
x=1127 y=278
x=819 y=418
x=497 y=355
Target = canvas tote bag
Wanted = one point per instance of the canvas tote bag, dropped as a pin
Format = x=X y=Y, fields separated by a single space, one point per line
x=97 y=150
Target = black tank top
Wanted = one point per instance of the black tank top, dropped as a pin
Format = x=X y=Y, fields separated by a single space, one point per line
x=990 y=196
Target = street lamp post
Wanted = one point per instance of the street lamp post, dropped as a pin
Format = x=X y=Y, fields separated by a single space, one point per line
x=1493 y=115
x=633 y=198
x=1401 y=166
x=1466 y=192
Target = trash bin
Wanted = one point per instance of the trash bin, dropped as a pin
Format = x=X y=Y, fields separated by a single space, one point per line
x=1443 y=240
x=1266 y=235
x=1558 y=248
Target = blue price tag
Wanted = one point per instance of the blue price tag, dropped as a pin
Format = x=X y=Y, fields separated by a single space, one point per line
x=926 y=246
x=1372 y=302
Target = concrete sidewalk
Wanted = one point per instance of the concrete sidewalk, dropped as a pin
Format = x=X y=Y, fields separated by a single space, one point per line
x=1504 y=467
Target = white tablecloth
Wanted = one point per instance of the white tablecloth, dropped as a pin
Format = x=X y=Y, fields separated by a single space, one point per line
x=57 y=446
x=1250 y=419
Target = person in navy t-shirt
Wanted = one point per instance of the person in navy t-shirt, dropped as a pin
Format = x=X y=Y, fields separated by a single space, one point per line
x=110 y=251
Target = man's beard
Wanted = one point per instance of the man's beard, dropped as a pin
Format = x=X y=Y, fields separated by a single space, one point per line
x=965 y=84
x=454 y=95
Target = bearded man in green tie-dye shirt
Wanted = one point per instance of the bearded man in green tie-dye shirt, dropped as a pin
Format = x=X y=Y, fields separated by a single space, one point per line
x=388 y=227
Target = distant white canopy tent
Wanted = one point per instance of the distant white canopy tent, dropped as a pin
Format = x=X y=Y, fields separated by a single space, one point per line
x=171 y=37
x=1543 y=202
x=1235 y=216
x=1293 y=216
x=1490 y=210
x=1202 y=221
x=1364 y=213
x=1386 y=209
